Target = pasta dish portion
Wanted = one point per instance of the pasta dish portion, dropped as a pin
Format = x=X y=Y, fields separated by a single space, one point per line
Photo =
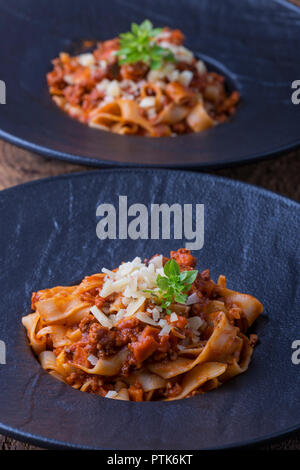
x=152 y=330
x=144 y=82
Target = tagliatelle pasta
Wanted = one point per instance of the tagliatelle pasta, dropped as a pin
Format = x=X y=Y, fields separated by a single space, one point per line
x=153 y=330
x=165 y=93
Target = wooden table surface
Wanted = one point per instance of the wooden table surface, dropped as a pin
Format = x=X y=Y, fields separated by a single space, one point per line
x=280 y=175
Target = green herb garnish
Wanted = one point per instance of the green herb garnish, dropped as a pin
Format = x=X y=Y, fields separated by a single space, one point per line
x=173 y=287
x=139 y=45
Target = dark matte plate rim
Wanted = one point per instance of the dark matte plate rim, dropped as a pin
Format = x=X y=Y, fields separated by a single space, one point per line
x=77 y=159
x=47 y=443
x=39 y=440
x=208 y=176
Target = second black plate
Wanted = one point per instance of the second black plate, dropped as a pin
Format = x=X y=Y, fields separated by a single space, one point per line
x=49 y=238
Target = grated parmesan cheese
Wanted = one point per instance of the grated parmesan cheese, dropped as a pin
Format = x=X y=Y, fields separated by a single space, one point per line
x=102 y=86
x=173 y=76
x=92 y=359
x=156 y=314
x=101 y=317
x=148 y=102
x=173 y=317
x=145 y=318
x=69 y=79
x=161 y=73
x=86 y=60
x=113 y=89
x=132 y=280
x=185 y=77
x=111 y=394
x=102 y=64
x=165 y=330
x=195 y=323
x=134 y=306
x=181 y=53
x=201 y=67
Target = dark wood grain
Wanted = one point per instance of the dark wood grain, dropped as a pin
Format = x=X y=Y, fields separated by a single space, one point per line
x=281 y=175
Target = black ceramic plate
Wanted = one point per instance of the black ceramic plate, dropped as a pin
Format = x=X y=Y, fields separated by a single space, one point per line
x=254 y=43
x=48 y=237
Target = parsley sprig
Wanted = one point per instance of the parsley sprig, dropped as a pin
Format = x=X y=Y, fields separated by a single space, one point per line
x=173 y=287
x=139 y=45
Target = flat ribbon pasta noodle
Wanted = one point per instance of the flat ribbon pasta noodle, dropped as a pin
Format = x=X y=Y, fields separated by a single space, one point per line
x=57 y=376
x=180 y=94
x=62 y=309
x=50 y=363
x=106 y=116
x=215 y=306
x=86 y=386
x=250 y=306
x=172 y=113
x=30 y=322
x=198 y=118
x=90 y=282
x=169 y=369
x=58 y=335
x=155 y=90
x=222 y=344
x=122 y=111
x=198 y=376
x=107 y=367
x=191 y=351
x=122 y=395
x=221 y=347
x=50 y=293
x=74 y=335
x=239 y=366
x=130 y=112
x=147 y=380
x=122 y=128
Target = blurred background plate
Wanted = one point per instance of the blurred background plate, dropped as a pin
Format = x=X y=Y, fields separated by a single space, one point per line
x=254 y=43
x=49 y=238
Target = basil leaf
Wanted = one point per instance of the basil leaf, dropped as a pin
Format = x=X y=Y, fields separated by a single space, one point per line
x=180 y=298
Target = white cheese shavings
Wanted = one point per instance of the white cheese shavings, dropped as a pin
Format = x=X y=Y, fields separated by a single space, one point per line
x=86 y=60
x=156 y=314
x=201 y=67
x=185 y=77
x=173 y=76
x=134 y=306
x=111 y=394
x=101 y=317
x=102 y=64
x=145 y=318
x=181 y=53
x=92 y=359
x=134 y=281
x=161 y=73
x=147 y=102
x=173 y=317
x=131 y=279
x=113 y=89
x=102 y=86
x=108 y=272
x=69 y=79
x=165 y=330
x=195 y=323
